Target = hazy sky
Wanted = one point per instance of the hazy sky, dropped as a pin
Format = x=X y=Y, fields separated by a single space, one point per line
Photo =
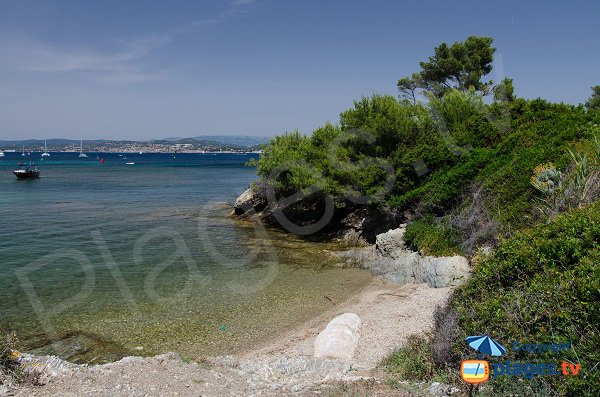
x=150 y=69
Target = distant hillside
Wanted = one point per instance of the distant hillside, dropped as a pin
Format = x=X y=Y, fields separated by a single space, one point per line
x=34 y=143
x=212 y=141
x=237 y=140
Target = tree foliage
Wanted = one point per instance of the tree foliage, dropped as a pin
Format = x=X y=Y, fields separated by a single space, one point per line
x=422 y=157
x=505 y=90
x=459 y=66
x=594 y=101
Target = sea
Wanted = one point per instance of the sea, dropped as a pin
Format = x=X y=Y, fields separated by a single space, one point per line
x=100 y=259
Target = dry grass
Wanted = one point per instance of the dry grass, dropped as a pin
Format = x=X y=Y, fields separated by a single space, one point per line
x=11 y=370
x=476 y=226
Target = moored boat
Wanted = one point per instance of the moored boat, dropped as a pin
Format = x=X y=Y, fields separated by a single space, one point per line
x=81 y=153
x=45 y=154
x=29 y=172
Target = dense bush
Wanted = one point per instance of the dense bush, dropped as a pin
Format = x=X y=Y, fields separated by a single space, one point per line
x=541 y=132
x=413 y=361
x=423 y=157
x=542 y=285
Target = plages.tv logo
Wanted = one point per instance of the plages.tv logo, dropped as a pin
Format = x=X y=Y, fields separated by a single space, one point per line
x=478 y=371
x=475 y=371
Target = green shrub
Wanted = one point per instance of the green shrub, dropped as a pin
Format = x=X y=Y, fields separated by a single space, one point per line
x=433 y=237
x=413 y=361
x=541 y=132
x=443 y=189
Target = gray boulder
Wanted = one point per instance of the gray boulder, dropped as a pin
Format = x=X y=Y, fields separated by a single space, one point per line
x=401 y=269
x=446 y=271
x=249 y=201
x=339 y=339
x=440 y=389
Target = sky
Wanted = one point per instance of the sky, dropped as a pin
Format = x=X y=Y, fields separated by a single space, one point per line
x=145 y=69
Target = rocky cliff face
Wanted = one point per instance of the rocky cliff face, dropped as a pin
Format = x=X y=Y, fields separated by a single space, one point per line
x=350 y=224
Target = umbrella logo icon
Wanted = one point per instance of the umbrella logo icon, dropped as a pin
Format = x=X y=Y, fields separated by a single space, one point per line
x=478 y=371
x=486 y=345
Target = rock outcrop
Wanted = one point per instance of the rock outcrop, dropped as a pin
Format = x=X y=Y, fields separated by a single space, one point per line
x=339 y=339
x=352 y=225
x=390 y=258
x=249 y=201
x=446 y=271
x=391 y=243
x=361 y=225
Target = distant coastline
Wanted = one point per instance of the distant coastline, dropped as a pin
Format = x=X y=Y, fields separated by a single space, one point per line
x=201 y=144
x=116 y=151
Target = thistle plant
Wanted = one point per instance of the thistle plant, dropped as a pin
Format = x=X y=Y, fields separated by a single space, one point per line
x=579 y=185
x=546 y=178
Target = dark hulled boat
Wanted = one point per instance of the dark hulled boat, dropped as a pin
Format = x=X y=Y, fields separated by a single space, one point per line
x=30 y=172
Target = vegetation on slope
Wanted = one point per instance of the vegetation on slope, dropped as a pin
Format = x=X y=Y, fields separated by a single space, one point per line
x=541 y=285
x=473 y=174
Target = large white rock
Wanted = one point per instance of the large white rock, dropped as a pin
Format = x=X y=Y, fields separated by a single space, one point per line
x=340 y=338
x=391 y=243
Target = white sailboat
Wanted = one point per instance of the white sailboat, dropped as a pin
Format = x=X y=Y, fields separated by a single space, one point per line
x=81 y=154
x=23 y=154
x=45 y=154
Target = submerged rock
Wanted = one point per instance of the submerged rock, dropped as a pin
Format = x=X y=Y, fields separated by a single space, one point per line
x=339 y=339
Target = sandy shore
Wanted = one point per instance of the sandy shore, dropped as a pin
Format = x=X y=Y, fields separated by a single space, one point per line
x=284 y=366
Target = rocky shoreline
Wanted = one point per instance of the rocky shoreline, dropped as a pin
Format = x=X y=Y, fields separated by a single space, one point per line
x=351 y=225
x=376 y=235
x=390 y=258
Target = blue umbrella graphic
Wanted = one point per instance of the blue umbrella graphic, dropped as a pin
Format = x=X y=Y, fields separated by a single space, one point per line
x=486 y=345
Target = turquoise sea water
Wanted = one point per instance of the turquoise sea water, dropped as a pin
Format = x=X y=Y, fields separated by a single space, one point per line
x=99 y=261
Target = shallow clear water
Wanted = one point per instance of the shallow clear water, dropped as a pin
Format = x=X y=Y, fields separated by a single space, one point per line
x=98 y=261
